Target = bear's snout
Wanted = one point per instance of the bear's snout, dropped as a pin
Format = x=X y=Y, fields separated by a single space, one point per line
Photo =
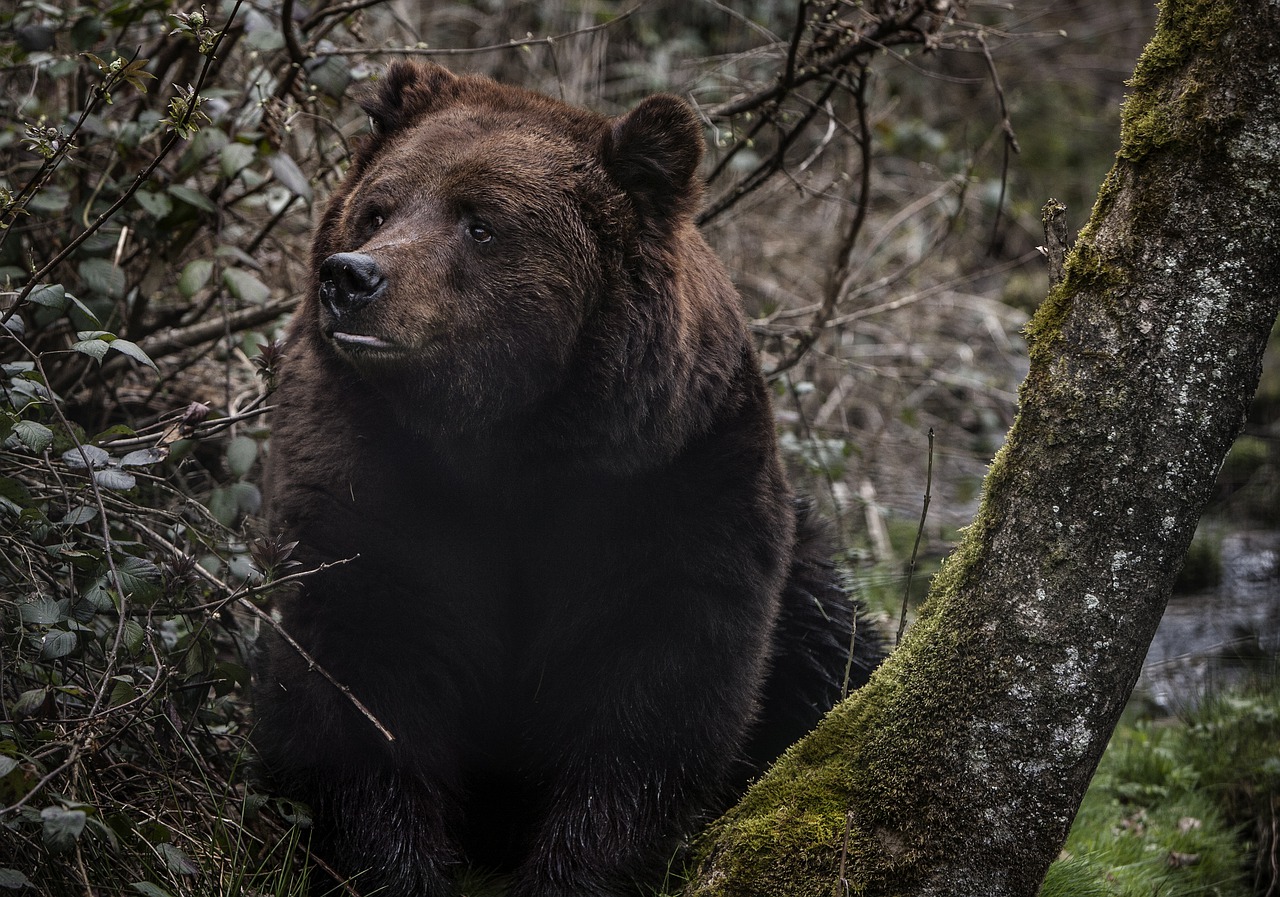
x=349 y=281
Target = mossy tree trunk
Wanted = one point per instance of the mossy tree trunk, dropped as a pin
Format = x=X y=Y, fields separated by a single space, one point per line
x=959 y=768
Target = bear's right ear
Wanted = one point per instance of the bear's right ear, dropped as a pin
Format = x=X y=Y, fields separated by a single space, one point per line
x=653 y=152
x=406 y=91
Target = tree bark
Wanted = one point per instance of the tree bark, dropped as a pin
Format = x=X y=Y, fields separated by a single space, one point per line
x=959 y=768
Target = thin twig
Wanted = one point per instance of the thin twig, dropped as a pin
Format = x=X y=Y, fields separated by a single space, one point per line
x=1010 y=138
x=29 y=189
x=491 y=48
x=848 y=658
x=844 y=852
x=241 y=597
x=338 y=11
x=915 y=550
x=835 y=286
x=143 y=176
x=886 y=32
x=773 y=164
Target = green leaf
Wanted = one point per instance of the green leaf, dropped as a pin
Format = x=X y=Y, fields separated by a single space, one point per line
x=222 y=505
x=293 y=813
x=112 y=478
x=76 y=457
x=84 y=310
x=264 y=40
x=253 y=802
x=241 y=454
x=50 y=295
x=43 y=611
x=140 y=578
x=35 y=436
x=7 y=765
x=12 y=879
x=143 y=457
x=62 y=828
x=331 y=76
x=176 y=860
x=126 y=347
x=234 y=158
x=113 y=432
x=94 y=348
x=147 y=889
x=86 y=32
x=157 y=205
x=247 y=496
x=233 y=674
x=241 y=566
x=98 y=596
x=82 y=612
x=30 y=703
x=133 y=636
x=14 y=490
x=192 y=198
x=236 y=254
x=195 y=277
x=57 y=643
x=288 y=173
x=245 y=287
x=122 y=692
x=78 y=516
x=102 y=277
x=50 y=200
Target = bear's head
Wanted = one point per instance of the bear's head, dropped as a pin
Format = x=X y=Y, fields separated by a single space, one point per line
x=495 y=256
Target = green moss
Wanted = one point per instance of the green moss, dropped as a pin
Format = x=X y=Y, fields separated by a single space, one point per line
x=799 y=811
x=1170 y=104
x=1088 y=271
x=1168 y=108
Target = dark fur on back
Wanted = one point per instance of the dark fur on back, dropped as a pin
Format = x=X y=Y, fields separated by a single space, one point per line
x=522 y=436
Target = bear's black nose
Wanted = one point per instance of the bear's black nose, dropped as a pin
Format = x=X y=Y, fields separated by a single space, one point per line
x=350 y=280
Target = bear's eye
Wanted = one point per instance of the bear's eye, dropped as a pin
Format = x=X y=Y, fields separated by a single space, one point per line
x=376 y=219
x=480 y=233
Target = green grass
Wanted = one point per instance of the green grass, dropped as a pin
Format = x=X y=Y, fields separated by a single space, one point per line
x=1175 y=805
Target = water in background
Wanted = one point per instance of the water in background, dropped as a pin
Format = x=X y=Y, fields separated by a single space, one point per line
x=1221 y=636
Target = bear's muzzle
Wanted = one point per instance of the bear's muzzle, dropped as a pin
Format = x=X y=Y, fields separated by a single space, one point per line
x=349 y=281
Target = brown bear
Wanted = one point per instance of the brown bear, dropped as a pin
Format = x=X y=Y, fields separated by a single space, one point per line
x=522 y=433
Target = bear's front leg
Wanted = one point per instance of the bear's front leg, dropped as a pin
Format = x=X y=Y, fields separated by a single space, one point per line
x=615 y=822
x=385 y=815
x=388 y=831
x=657 y=736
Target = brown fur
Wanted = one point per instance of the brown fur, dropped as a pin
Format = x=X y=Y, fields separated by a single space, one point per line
x=520 y=403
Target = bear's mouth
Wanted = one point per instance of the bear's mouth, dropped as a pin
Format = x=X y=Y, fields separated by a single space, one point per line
x=358 y=341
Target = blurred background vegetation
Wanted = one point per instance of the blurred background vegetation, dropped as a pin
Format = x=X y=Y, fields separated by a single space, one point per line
x=161 y=166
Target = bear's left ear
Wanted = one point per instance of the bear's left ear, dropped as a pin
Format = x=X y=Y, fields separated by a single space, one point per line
x=406 y=91
x=653 y=153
